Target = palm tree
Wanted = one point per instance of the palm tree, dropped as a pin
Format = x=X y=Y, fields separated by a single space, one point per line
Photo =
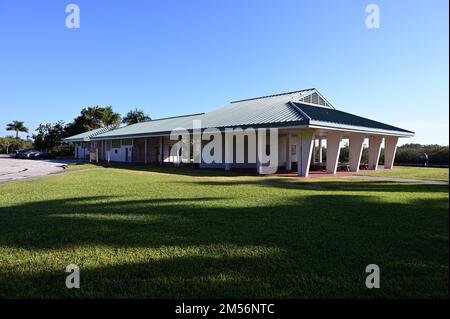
x=97 y=116
x=135 y=116
x=91 y=118
x=107 y=116
x=16 y=126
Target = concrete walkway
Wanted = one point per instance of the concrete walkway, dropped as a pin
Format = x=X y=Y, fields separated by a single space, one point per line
x=400 y=180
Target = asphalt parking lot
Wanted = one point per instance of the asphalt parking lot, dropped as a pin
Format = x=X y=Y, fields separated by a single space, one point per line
x=12 y=169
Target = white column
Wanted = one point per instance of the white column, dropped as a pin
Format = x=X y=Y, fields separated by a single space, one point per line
x=374 y=151
x=333 y=150
x=96 y=154
x=356 y=142
x=131 y=152
x=314 y=151
x=228 y=151
x=390 y=147
x=259 y=167
x=260 y=150
x=304 y=150
x=320 y=151
x=289 y=151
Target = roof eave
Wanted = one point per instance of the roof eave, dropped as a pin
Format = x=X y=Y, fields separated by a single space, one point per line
x=279 y=125
x=72 y=140
x=81 y=139
x=294 y=124
x=359 y=129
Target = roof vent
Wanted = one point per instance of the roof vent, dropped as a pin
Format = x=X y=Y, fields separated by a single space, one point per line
x=315 y=98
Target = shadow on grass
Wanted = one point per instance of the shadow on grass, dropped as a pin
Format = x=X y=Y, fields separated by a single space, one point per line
x=184 y=171
x=353 y=186
x=321 y=245
x=284 y=183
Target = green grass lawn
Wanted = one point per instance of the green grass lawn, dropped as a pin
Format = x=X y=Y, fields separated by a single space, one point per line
x=419 y=173
x=153 y=234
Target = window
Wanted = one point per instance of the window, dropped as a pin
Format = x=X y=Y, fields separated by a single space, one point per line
x=115 y=143
x=127 y=141
x=293 y=149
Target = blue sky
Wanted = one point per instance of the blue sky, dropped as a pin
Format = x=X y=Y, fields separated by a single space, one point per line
x=181 y=57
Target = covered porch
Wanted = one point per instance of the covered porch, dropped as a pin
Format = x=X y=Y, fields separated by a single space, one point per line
x=317 y=151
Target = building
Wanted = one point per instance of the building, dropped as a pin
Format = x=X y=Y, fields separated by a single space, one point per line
x=304 y=121
x=83 y=148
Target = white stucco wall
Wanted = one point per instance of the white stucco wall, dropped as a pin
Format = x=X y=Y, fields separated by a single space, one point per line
x=119 y=154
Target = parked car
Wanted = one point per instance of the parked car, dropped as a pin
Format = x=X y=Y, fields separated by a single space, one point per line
x=41 y=155
x=15 y=154
x=21 y=154
x=26 y=154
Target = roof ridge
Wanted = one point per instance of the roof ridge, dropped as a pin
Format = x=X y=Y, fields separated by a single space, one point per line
x=173 y=117
x=302 y=112
x=103 y=129
x=272 y=95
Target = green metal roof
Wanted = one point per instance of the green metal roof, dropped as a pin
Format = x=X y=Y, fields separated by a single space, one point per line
x=263 y=111
x=321 y=115
x=86 y=136
x=255 y=112
x=153 y=127
x=280 y=110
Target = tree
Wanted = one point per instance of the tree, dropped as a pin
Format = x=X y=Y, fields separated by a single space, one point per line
x=91 y=118
x=49 y=135
x=7 y=142
x=135 y=116
x=10 y=143
x=414 y=154
x=16 y=126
